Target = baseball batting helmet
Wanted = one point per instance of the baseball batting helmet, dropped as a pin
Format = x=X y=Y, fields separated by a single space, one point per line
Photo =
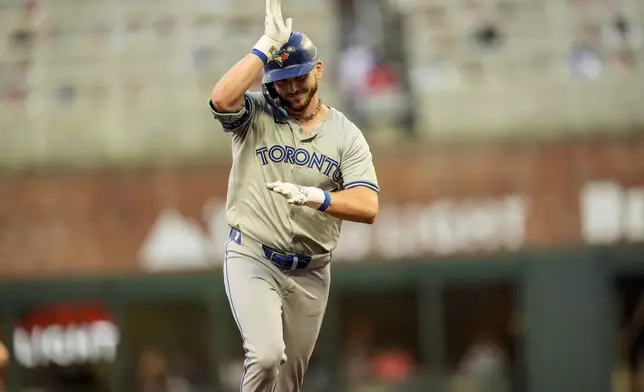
x=296 y=58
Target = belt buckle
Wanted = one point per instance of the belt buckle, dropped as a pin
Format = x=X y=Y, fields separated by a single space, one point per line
x=292 y=260
x=273 y=256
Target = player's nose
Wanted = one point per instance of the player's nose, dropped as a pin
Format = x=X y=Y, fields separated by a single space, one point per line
x=291 y=86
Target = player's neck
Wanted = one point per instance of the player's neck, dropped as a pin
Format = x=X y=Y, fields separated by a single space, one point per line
x=311 y=113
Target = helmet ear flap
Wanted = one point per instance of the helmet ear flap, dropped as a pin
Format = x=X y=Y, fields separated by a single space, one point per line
x=269 y=88
x=270 y=93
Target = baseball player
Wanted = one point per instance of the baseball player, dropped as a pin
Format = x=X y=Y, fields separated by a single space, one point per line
x=299 y=169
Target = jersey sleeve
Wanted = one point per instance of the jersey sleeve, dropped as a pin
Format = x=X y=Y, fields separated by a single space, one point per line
x=244 y=118
x=357 y=166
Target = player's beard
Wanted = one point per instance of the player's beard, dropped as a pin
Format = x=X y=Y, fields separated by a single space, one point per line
x=299 y=108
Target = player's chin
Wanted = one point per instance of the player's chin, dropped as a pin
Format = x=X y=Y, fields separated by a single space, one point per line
x=298 y=105
x=299 y=108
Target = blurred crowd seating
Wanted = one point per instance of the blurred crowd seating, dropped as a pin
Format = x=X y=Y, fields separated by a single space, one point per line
x=118 y=79
x=502 y=66
x=123 y=80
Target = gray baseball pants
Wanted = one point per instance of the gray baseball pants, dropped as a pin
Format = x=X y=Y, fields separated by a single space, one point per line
x=279 y=313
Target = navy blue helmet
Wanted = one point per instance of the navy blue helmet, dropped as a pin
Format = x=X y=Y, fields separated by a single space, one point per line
x=296 y=58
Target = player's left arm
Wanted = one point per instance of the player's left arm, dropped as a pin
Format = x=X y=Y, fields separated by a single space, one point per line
x=357 y=202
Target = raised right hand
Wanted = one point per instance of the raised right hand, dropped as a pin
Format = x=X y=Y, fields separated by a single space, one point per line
x=275 y=26
x=276 y=30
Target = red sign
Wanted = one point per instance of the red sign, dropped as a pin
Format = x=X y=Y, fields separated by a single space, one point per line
x=64 y=335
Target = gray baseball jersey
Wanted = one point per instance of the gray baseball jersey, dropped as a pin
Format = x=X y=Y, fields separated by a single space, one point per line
x=279 y=311
x=334 y=156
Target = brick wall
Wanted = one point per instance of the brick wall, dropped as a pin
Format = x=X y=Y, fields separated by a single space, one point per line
x=95 y=222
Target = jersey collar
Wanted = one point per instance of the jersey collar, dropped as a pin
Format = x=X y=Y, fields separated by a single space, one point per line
x=302 y=135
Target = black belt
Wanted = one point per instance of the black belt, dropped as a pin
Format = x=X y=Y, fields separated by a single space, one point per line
x=281 y=260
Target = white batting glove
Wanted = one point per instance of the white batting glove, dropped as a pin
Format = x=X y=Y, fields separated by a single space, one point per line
x=276 y=30
x=301 y=195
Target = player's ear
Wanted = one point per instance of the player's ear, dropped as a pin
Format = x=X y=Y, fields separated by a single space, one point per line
x=319 y=69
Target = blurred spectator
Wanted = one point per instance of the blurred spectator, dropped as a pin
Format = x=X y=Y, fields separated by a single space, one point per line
x=633 y=337
x=231 y=372
x=154 y=374
x=4 y=355
x=356 y=61
x=484 y=356
x=392 y=366
x=487 y=35
x=4 y=360
x=585 y=62
x=385 y=101
x=370 y=368
x=358 y=345
x=22 y=39
x=381 y=78
x=622 y=33
x=484 y=363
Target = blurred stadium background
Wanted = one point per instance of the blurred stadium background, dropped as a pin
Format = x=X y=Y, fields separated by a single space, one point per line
x=508 y=138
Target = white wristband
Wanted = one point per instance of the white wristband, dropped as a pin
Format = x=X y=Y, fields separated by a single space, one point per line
x=267 y=46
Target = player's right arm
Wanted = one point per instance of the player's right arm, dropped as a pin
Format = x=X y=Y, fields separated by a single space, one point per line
x=228 y=94
x=229 y=101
